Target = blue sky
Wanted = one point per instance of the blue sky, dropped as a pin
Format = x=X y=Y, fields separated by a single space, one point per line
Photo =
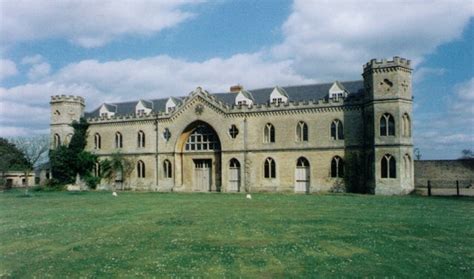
x=125 y=50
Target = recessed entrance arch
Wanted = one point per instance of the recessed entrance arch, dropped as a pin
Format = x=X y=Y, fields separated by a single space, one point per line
x=199 y=154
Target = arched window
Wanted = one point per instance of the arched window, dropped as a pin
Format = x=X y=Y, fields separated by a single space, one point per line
x=388 y=166
x=301 y=131
x=269 y=133
x=140 y=169
x=57 y=140
x=201 y=139
x=302 y=162
x=387 y=125
x=97 y=141
x=406 y=125
x=407 y=163
x=234 y=163
x=97 y=169
x=141 y=139
x=118 y=140
x=337 y=167
x=337 y=130
x=270 y=168
x=167 y=169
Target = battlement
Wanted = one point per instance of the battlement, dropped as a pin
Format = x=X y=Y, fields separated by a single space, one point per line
x=67 y=98
x=384 y=63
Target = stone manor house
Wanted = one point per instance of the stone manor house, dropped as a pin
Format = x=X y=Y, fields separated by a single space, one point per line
x=306 y=138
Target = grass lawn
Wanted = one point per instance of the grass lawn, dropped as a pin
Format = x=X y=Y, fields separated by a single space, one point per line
x=225 y=235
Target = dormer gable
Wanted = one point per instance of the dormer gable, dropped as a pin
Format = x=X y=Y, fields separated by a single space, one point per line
x=143 y=107
x=278 y=95
x=337 y=91
x=171 y=104
x=107 y=110
x=244 y=98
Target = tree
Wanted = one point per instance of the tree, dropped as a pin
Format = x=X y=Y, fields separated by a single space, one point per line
x=34 y=149
x=68 y=161
x=117 y=168
x=11 y=158
x=467 y=154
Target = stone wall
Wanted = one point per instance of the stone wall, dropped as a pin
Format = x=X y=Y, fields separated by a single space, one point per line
x=444 y=173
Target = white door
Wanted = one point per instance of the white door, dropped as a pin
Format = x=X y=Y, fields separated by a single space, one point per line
x=202 y=175
x=302 y=176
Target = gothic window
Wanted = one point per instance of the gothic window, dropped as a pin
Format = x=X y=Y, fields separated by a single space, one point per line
x=141 y=139
x=406 y=125
x=97 y=141
x=301 y=131
x=233 y=131
x=337 y=130
x=167 y=169
x=201 y=139
x=269 y=133
x=234 y=163
x=140 y=169
x=118 y=140
x=388 y=166
x=166 y=134
x=302 y=162
x=387 y=125
x=407 y=165
x=97 y=169
x=337 y=167
x=269 y=168
x=57 y=140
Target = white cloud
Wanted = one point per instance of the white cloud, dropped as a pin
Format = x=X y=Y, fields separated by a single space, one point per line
x=463 y=101
x=30 y=60
x=88 y=23
x=38 y=71
x=27 y=106
x=424 y=72
x=332 y=40
x=7 y=68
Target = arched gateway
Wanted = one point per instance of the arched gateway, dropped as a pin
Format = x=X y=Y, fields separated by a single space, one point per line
x=199 y=152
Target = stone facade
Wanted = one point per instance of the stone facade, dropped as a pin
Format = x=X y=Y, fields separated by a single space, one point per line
x=307 y=138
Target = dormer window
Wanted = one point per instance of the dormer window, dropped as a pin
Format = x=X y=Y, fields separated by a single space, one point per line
x=337 y=91
x=107 y=110
x=278 y=96
x=244 y=98
x=143 y=107
x=171 y=104
x=104 y=115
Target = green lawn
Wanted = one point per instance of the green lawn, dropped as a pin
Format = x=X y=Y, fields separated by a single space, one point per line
x=225 y=235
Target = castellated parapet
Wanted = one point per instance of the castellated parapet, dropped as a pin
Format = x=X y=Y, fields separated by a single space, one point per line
x=68 y=98
x=375 y=64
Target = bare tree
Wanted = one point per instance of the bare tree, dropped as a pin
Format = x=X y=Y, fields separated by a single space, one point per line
x=467 y=154
x=35 y=149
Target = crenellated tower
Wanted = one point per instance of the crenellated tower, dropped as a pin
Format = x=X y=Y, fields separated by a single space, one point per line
x=64 y=110
x=388 y=121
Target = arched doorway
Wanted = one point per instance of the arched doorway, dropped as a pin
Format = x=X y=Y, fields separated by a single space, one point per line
x=302 y=177
x=200 y=157
x=234 y=175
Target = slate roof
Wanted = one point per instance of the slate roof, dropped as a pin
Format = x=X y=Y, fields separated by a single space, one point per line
x=310 y=92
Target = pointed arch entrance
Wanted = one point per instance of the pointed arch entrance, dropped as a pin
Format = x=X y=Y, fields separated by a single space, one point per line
x=199 y=154
x=302 y=177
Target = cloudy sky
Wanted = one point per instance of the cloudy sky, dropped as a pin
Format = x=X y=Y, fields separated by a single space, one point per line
x=124 y=50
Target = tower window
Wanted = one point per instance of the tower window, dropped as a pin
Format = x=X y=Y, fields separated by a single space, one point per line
x=141 y=139
x=140 y=169
x=301 y=131
x=387 y=125
x=388 y=166
x=97 y=141
x=269 y=133
x=57 y=140
x=167 y=169
x=406 y=129
x=337 y=130
x=337 y=167
x=118 y=140
x=269 y=168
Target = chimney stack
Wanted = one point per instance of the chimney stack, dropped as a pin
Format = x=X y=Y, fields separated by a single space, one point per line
x=236 y=88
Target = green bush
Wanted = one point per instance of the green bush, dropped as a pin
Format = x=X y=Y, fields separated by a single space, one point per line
x=91 y=181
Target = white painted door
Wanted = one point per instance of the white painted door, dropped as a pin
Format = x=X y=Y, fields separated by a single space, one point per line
x=302 y=179
x=234 y=179
x=202 y=175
